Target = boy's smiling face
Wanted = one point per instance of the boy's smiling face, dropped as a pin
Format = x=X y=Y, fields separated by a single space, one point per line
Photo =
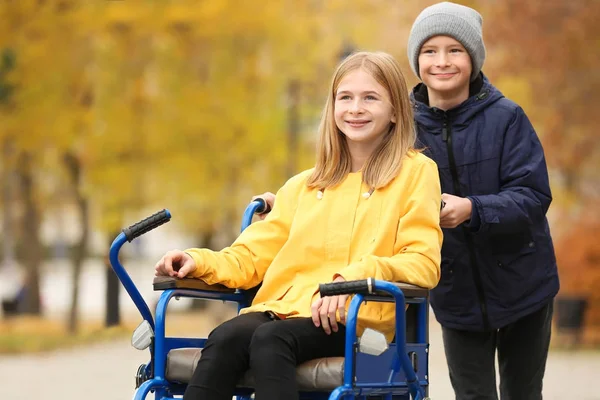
x=445 y=65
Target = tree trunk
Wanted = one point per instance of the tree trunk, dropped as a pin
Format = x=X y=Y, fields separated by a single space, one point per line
x=293 y=128
x=8 y=252
x=33 y=255
x=80 y=250
x=113 y=314
x=8 y=267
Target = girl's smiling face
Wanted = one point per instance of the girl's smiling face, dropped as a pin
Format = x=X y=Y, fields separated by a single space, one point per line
x=362 y=110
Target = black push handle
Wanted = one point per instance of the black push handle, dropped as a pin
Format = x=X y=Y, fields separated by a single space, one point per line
x=264 y=207
x=362 y=286
x=147 y=224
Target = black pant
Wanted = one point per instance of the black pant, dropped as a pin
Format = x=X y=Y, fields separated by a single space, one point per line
x=522 y=352
x=269 y=347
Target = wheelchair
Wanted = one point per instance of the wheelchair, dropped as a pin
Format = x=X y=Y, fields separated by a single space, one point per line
x=370 y=369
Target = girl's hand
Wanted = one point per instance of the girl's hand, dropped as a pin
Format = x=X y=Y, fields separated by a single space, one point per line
x=269 y=198
x=325 y=308
x=175 y=263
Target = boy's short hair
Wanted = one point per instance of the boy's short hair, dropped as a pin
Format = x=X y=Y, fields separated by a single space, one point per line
x=448 y=19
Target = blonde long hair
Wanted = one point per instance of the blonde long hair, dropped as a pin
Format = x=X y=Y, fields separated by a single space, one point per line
x=333 y=156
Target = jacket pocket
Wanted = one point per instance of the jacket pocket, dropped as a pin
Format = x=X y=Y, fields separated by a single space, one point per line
x=446 y=268
x=267 y=294
x=506 y=260
x=512 y=275
x=451 y=293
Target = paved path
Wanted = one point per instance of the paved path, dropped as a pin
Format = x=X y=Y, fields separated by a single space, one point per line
x=105 y=371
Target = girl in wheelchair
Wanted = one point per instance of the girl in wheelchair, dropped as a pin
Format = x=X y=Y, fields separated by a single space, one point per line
x=369 y=208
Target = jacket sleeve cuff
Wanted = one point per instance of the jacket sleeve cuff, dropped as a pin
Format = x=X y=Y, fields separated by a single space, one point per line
x=196 y=255
x=474 y=223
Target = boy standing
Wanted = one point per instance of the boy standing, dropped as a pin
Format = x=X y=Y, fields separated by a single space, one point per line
x=499 y=273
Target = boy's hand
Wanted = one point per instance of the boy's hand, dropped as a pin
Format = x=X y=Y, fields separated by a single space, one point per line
x=456 y=211
x=325 y=308
x=175 y=263
x=269 y=198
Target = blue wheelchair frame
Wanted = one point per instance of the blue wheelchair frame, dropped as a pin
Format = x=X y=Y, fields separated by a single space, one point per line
x=391 y=375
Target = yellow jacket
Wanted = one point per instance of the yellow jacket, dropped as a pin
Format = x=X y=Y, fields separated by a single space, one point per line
x=393 y=235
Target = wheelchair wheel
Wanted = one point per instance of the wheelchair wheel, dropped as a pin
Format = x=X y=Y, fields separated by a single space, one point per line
x=141 y=376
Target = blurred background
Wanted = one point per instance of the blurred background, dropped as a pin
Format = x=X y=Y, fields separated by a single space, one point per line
x=112 y=110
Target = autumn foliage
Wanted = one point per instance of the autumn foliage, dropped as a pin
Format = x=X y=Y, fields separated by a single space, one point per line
x=549 y=48
x=114 y=108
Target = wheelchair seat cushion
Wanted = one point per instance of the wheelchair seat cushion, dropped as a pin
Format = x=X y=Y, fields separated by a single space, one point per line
x=320 y=374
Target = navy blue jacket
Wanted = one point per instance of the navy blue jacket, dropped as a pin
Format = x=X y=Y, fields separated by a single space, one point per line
x=499 y=266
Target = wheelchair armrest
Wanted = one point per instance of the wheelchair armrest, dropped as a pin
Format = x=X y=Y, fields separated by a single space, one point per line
x=168 y=282
x=412 y=291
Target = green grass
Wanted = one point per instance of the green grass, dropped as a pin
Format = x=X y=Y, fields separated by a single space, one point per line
x=31 y=335
x=22 y=335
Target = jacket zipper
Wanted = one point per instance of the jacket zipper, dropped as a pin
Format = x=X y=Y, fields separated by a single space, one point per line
x=447 y=137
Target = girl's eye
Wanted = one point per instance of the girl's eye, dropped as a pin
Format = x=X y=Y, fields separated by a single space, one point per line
x=370 y=98
x=344 y=97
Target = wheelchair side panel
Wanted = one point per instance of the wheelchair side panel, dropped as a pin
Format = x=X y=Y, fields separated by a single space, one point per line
x=376 y=369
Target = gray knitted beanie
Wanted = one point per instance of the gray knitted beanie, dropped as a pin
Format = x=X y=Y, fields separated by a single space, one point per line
x=448 y=19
